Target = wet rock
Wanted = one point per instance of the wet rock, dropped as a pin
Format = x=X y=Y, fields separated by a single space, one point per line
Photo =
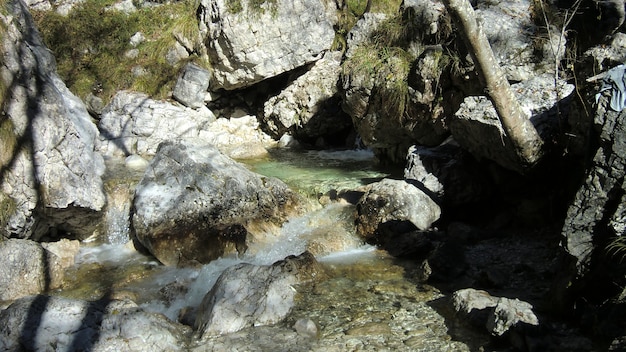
x=252 y=295
x=38 y=322
x=503 y=313
x=193 y=203
x=51 y=175
x=257 y=41
x=477 y=127
x=191 y=86
x=392 y=206
x=310 y=106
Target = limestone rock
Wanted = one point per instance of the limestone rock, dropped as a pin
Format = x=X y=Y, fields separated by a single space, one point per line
x=506 y=313
x=477 y=128
x=133 y=123
x=51 y=175
x=251 y=295
x=27 y=268
x=394 y=205
x=191 y=86
x=512 y=33
x=38 y=322
x=193 y=203
x=310 y=106
x=252 y=42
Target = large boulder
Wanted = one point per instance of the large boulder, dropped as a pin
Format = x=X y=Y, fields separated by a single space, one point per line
x=249 y=41
x=48 y=323
x=310 y=107
x=193 y=203
x=27 y=268
x=133 y=123
x=51 y=175
x=477 y=128
x=392 y=206
x=248 y=295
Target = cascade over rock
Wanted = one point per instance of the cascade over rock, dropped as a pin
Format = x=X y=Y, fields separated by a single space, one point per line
x=248 y=42
x=50 y=175
x=193 y=203
x=253 y=295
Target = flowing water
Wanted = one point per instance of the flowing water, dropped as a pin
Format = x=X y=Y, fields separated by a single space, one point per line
x=370 y=301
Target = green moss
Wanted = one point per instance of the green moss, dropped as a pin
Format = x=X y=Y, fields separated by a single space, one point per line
x=91 y=42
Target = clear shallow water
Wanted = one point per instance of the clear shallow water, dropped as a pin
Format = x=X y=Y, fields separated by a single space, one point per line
x=369 y=302
x=317 y=172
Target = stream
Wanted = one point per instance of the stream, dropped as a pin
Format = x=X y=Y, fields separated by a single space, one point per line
x=370 y=300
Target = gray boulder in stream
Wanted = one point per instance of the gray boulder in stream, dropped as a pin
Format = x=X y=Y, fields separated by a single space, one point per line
x=248 y=295
x=48 y=323
x=392 y=206
x=193 y=204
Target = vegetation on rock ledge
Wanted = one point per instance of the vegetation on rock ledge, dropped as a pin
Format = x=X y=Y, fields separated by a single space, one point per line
x=91 y=46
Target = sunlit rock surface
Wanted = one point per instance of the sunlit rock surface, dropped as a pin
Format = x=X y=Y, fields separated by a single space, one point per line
x=133 y=123
x=48 y=323
x=51 y=176
x=391 y=206
x=193 y=203
x=248 y=41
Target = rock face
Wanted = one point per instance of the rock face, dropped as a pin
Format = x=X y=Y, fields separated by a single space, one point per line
x=513 y=35
x=392 y=206
x=51 y=176
x=310 y=106
x=193 y=203
x=597 y=213
x=477 y=128
x=37 y=323
x=135 y=124
x=251 y=295
x=392 y=100
x=249 y=42
x=27 y=268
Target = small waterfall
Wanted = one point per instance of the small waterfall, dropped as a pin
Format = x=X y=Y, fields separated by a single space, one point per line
x=117 y=216
x=120 y=181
